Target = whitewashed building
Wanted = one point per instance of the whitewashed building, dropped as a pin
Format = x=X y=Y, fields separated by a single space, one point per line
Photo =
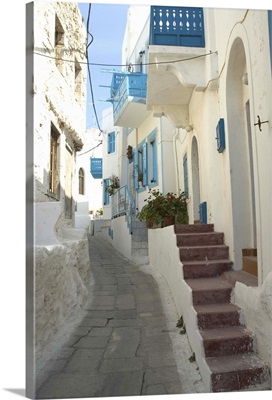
x=193 y=106
x=89 y=180
x=56 y=53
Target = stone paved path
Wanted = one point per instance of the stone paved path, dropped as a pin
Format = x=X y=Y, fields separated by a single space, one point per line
x=122 y=346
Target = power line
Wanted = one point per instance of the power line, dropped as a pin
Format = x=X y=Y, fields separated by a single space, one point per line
x=87 y=151
x=88 y=63
x=125 y=65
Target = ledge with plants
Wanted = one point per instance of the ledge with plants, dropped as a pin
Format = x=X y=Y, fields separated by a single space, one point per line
x=162 y=210
x=114 y=184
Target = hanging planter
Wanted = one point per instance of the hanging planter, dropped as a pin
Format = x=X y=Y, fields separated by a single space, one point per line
x=129 y=153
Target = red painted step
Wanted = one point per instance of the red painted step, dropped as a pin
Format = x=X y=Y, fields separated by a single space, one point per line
x=194 y=228
x=217 y=315
x=205 y=269
x=226 y=341
x=227 y=345
x=210 y=290
x=199 y=253
x=200 y=239
x=237 y=372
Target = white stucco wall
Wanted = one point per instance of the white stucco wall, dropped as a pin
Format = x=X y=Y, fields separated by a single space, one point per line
x=256 y=303
x=110 y=161
x=92 y=200
x=220 y=183
x=164 y=257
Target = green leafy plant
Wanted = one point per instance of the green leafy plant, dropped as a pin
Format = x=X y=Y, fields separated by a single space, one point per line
x=159 y=206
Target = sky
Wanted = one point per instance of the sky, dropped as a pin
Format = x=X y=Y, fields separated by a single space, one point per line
x=107 y=26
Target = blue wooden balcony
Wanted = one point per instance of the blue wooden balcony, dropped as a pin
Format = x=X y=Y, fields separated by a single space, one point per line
x=128 y=96
x=96 y=168
x=177 y=26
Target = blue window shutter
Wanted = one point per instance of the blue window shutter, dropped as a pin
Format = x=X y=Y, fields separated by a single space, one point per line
x=154 y=160
x=145 y=177
x=203 y=212
x=185 y=174
x=136 y=166
x=111 y=142
x=106 y=196
x=220 y=135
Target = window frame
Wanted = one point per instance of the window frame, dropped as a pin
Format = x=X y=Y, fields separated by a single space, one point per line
x=111 y=142
x=81 y=181
x=106 y=196
x=152 y=159
x=54 y=162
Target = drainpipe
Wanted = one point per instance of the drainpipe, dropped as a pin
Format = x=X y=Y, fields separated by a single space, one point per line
x=175 y=138
x=162 y=160
x=135 y=191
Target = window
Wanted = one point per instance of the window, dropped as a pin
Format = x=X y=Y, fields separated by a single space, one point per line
x=145 y=162
x=111 y=142
x=68 y=188
x=81 y=181
x=59 y=44
x=140 y=166
x=54 y=179
x=106 y=196
x=152 y=160
x=185 y=175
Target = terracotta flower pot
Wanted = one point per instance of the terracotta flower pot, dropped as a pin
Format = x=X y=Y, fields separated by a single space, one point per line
x=167 y=221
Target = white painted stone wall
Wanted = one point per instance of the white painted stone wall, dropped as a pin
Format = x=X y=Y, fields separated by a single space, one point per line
x=61 y=273
x=256 y=303
x=61 y=259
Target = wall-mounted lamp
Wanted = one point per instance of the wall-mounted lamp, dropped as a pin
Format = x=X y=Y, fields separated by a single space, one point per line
x=189 y=128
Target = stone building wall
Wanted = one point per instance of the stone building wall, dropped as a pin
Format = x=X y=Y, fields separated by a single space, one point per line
x=61 y=260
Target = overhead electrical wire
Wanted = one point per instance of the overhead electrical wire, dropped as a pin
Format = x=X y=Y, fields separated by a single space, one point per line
x=125 y=65
x=88 y=63
x=87 y=151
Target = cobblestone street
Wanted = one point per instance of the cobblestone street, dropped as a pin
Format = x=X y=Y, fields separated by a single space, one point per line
x=127 y=342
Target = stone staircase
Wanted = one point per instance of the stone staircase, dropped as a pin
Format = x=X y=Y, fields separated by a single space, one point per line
x=228 y=346
x=139 y=239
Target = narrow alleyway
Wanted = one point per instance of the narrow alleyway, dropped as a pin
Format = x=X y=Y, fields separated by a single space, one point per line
x=127 y=342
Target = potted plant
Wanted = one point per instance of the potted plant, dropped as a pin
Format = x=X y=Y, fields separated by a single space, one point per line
x=114 y=184
x=164 y=210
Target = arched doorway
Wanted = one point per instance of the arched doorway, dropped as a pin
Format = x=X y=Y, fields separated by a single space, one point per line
x=241 y=154
x=195 y=178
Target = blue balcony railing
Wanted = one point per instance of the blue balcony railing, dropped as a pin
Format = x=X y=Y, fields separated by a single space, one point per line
x=177 y=26
x=127 y=86
x=122 y=204
x=96 y=168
